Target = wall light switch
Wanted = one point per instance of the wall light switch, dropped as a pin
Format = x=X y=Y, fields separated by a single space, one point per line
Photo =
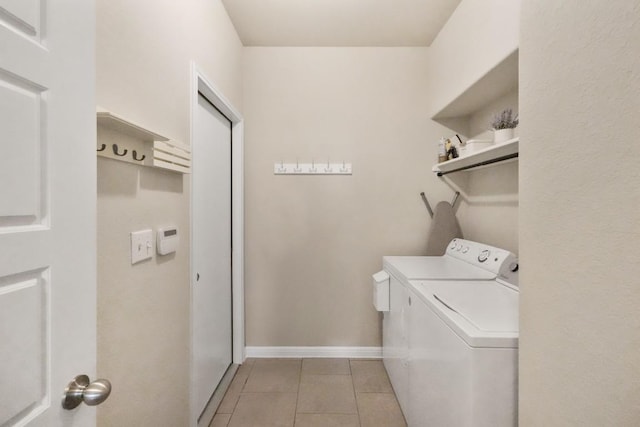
x=141 y=245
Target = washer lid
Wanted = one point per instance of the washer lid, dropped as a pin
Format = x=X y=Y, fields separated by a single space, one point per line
x=433 y=268
x=482 y=313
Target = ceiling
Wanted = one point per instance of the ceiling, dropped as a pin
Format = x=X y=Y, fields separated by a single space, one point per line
x=339 y=22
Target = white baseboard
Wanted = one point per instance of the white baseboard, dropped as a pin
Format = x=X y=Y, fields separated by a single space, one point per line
x=285 y=352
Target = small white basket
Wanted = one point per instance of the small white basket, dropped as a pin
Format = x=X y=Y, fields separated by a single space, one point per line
x=475 y=145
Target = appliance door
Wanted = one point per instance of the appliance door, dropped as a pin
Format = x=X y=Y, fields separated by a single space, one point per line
x=483 y=313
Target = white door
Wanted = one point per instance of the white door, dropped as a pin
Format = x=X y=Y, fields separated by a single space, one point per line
x=211 y=232
x=47 y=208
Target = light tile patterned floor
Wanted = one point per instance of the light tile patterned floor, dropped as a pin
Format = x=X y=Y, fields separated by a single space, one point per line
x=310 y=393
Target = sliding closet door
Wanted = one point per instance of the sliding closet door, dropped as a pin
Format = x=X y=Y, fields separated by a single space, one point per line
x=212 y=334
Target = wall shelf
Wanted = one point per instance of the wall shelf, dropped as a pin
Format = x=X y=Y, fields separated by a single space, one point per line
x=123 y=140
x=500 y=153
x=497 y=82
x=111 y=120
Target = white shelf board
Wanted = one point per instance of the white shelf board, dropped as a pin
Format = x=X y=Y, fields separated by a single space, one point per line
x=109 y=119
x=497 y=82
x=479 y=159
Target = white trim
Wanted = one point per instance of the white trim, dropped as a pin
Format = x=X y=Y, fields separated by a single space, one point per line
x=200 y=83
x=284 y=352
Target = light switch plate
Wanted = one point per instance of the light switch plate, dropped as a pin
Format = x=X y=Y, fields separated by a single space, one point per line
x=141 y=245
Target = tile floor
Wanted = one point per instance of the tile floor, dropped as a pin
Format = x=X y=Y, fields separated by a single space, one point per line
x=310 y=393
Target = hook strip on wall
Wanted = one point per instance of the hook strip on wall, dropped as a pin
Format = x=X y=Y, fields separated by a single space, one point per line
x=342 y=168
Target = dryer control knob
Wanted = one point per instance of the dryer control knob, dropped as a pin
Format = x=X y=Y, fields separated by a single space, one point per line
x=484 y=255
x=514 y=267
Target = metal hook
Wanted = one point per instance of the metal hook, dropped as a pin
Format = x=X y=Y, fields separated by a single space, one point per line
x=115 y=150
x=135 y=156
x=102 y=147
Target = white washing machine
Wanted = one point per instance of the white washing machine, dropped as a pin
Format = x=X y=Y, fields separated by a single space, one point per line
x=464 y=356
x=464 y=260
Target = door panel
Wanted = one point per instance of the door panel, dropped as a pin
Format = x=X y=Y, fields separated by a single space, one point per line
x=22 y=15
x=211 y=249
x=20 y=164
x=47 y=208
x=24 y=349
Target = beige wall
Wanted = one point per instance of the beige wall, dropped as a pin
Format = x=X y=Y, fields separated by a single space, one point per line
x=144 y=49
x=314 y=241
x=478 y=36
x=580 y=221
x=488 y=212
x=475 y=39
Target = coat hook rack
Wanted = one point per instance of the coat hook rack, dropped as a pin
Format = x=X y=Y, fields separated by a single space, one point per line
x=151 y=148
x=135 y=156
x=313 y=168
x=115 y=151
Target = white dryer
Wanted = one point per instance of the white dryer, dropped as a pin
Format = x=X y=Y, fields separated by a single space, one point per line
x=464 y=260
x=464 y=356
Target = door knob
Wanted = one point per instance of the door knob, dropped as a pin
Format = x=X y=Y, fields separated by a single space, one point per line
x=80 y=389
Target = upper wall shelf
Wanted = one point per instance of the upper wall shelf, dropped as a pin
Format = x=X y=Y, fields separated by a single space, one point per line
x=497 y=82
x=490 y=155
x=111 y=120
x=121 y=139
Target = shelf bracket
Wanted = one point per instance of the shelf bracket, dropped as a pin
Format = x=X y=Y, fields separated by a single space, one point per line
x=475 y=165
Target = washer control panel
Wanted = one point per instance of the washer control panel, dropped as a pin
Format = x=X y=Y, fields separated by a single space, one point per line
x=498 y=261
